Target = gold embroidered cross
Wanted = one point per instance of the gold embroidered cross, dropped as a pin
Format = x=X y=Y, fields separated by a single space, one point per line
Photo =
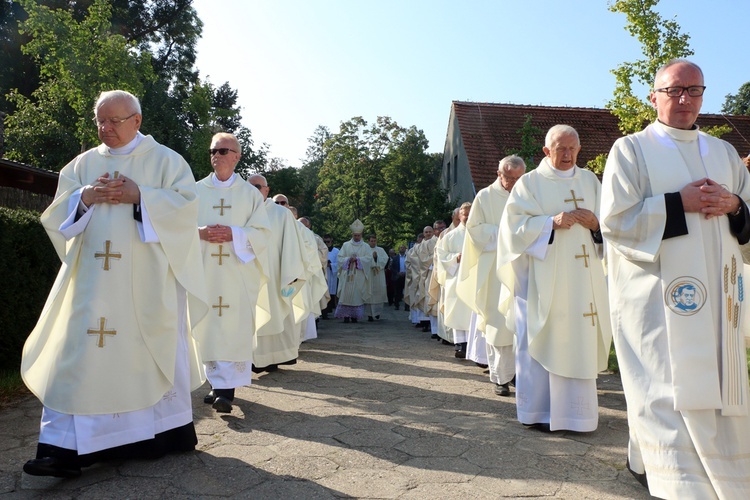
x=573 y=199
x=106 y=255
x=220 y=255
x=221 y=207
x=101 y=332
x=592 y=314
x=584 y=256
x=220 y=306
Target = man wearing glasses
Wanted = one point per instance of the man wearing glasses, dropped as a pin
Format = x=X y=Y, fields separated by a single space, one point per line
x=674 y=212
x=234 y=229
x=109 y=357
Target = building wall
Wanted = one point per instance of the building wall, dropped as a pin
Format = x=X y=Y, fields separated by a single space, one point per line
x=456 y=175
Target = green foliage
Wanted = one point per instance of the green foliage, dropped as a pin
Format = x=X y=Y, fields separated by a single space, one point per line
x=717 y=130
x=597 y=164
x=531 y=145
x=28 y=265
x=77 y=60
x=661 y=41
x=738 y=104
x=382 y=175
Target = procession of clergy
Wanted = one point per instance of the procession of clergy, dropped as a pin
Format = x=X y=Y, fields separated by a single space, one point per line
x=516 y=283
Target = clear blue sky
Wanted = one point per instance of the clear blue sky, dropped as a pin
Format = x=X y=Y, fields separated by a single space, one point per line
x=298 y=64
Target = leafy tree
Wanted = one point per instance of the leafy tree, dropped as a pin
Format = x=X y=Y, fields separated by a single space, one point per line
x=309 y=172
x=738 y=104
x=530 y=143
x=382 y=175
x=661 y=41
x=77 y=60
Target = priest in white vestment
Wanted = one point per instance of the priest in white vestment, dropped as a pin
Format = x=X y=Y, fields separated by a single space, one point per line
x=378 y=293
x=674 y=211
x=425 y=254
x=234 y=229
x=549 y=231
x=331 y=275
x=411 y=281
x=457 y=313
x=437 y=286
x=111 y=357
x=277 y=342
x=478 y=284
x=354 y=262
x=306 y=304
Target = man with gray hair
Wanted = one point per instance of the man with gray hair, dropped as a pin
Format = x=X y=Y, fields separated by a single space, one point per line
x=478 y=286
x=674 y=213
x=549 y=234
x=110 y=358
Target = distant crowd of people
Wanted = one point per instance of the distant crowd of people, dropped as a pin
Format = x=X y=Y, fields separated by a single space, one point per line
x=532 y=280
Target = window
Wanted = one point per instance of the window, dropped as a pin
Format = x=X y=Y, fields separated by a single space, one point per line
x=448 y=175
x=455 y=169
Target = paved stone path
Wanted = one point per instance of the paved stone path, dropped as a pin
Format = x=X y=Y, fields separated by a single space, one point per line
x=372 y=410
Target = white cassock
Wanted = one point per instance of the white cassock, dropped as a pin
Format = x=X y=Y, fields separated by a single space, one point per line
x=457 y=314
x=111 y=358
x=306 y=303
x=411 y=287
x=479 y=285
x=275 y=342
x=234 y=277
x=426 y=257
x=437 y=291
x=561 y=304
x=378 y=291
x=332 y=271
x=682 y=364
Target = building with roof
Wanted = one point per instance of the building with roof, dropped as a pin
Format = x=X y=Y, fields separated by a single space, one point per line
x=480 y=134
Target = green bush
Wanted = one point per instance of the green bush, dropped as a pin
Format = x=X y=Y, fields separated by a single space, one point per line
x=28 y=266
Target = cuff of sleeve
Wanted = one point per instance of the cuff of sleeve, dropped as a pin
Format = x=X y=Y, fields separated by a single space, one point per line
x=676 y=224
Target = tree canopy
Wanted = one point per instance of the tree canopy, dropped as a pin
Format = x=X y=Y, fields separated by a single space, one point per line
x=739 y=103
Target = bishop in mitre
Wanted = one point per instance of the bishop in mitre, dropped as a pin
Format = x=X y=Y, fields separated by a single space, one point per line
x=354 y=261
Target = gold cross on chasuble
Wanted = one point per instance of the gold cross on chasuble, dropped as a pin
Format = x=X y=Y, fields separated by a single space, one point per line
x=106 y=255
x=220 y=255
x=220 y=305
x=221 y=207
x=101 y=332
x=574 y=200
x=591 y=314
x=584 y=256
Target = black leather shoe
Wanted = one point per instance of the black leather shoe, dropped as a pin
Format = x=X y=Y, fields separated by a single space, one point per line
x=354 y=320
x=435 y=336
x=51 y=466
x=445 y=342
x=370 y=318
x=346 y=320
x=502 y=390
x=222 y=405
x=209 y=398
x=460 y=354
x=406 y=308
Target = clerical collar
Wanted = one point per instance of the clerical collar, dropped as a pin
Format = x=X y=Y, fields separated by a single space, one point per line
x=357 y=243
x=129 y=147
x=223 y=184
x=563 y=174
x=679 y=134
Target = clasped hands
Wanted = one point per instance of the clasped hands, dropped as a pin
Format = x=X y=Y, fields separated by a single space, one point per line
x=113 y=191
x=708 y=197
x=215 y=233
x=582 y=216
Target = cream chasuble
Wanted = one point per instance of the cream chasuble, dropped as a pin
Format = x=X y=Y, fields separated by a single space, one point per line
x=426 y=257
x=354 y=289
x=378 y=292
x=685 y=451
x=411 y=278
x=457 y=312
x=307 y=301
x=567 y=317
x=478 y=285
x=113 y=306
x=234 y=274
x=284 y=267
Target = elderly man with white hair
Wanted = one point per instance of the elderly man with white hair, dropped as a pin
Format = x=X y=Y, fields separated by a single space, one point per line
x=549 y=233
x=111 y=356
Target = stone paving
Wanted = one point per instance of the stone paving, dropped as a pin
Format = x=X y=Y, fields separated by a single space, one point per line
x=371 y=410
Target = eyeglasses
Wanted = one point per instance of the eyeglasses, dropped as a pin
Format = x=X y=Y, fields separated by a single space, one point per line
x=221 y=151
x=258 y=186
x=693 y=91
x=114 y=122
x=280 y=202
x=509 y=178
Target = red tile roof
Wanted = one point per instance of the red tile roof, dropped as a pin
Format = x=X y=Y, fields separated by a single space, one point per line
x=489 y=131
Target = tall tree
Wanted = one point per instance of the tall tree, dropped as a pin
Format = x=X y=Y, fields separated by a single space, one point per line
x=77 y=60
x=739 y=103
x=382 y=175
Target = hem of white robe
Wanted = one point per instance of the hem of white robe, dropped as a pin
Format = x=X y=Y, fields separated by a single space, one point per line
x=501 y=362
x=225 y=375
x=311 y=329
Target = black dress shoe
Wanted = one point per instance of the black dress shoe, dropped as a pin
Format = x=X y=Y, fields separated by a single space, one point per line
x=406 y=308
x=502 y=390
x=354 y=320
x=543 y=427
x=51 y=466
x=460 y=354
x=434 y=336
x=346 y=320
x=222 y=405
x=480 y=365
x=209 y=398
x=377 y=317
x=445 y=342
x=370 y=318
